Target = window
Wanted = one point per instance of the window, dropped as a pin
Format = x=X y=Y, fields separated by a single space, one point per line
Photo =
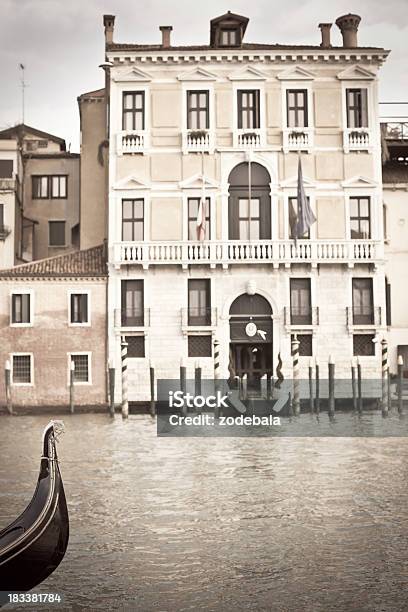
x=360 y=218
x=132 y=220
x=363 y=309
x=49 y=187
x=132 y=303
x=6 y=168
x=136 y=346
x=228 y=37
x=199 y=346
x=81 y=372
x=199 y=302
x=133 y=117
x=79 y=308
x=296 y=108
x=21 y=308
x=21 y=373
x=363 y=345
x=248 y=109
x=193 y=204
x=198 y=110
x=56 y=231
x=305 y=344
x=356 y=102
x=293 y=217
x=1 y=217
x=300 y=301
x=249 y=219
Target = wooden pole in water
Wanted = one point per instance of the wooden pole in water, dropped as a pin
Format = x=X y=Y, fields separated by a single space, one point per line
x=296 y=383
x=71 y=387
x=197 y=378
x=7 y=375
x=400 y=382
x=264 y=386
x=244 y=386
x=354 y=383
x=311 y=385
x=332 y=401
x=183 y=383
x=125 y=403
x=389 y=390
x=384 y=371
x=359 y=387
x=152 y=402
x=111 y=379
x=317 y=390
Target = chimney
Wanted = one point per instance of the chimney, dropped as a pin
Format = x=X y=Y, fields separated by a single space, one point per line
x=109 y=23
x=348 y=25
x=165 y=30
x=325 y=30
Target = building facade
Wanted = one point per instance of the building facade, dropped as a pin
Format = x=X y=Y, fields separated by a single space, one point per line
x=224 y=124
x=10 y=201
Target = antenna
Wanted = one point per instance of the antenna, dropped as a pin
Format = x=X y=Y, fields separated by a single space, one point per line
x=23 y=86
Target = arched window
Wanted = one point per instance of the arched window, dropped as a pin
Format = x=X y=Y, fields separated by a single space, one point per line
x=249 y=206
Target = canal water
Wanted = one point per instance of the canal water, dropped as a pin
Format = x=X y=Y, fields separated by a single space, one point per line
x=288 y=524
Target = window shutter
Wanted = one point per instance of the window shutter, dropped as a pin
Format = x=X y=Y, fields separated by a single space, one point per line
x=364 y=108
x=84 y=308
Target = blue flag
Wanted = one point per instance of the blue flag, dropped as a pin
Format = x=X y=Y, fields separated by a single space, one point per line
x=305 y=216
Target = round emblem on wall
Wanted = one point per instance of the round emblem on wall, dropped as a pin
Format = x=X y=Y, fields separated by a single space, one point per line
x=250 y=329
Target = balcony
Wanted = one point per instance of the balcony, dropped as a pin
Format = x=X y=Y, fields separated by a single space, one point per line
x=132 y=318
x=198 y=141
x=132 y=141
x=397 y=130
x=231 y=252
x=297 y=139
x=249 y=139
x=356 y=139
x=4 y=232
x=371 y=320
x=8 y=184
x=297 y=320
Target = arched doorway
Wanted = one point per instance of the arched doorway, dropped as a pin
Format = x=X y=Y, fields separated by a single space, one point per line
x=249 y=208
x=251 y=338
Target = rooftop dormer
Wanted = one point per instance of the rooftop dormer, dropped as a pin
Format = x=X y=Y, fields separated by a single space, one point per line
x=228 y=30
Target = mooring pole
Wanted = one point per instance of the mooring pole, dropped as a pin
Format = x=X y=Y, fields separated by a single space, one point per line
x=7 y=375
x=183 y=384
x=317 y=390
x=296 y=382
x=400 y=382
x=245 y=386
x=152 y=402
x=71 y=387
x=264 y=386
x=332 y=400
x=359 y=386
x=217 y=373
x=384 y=370
x=123 y=355
x=197 y=378
x=311 y=386
x=111 y=381
x=354 y=384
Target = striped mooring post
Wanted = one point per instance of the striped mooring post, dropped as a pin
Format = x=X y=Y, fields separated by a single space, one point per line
x=296 y=382
x=400 y=382
x=123 y=355
x=384 y=372
x=217 y=372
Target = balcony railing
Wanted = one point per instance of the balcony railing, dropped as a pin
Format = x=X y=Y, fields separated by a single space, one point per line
x=199 y=317
x=356 y=139
x=239 y=251
x=369 y=320
x=7 y=184
x=397 y=130
x=135 y=141
x=249 y=139
x=132 y=317
x=294 y=317
x=4 y=232
x=197 y=141
x=297 y=139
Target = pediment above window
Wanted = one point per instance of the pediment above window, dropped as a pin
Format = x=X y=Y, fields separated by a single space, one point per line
x=196 y=182
x=248 y=73
x=199 y=74
x=359 y=181
x=291 y=183
x=296 y=73
x=130 y=182
x=134 y=75
x=355 y=73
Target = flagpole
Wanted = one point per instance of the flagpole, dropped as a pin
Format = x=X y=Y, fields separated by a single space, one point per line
x=23 y=86
x=249 y=195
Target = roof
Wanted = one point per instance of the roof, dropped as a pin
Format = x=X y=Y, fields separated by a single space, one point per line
x=227 y=18
x=395 y=172
x=244 y=46
x=96 y=93
x=56 y=155
x=86 y=263
x=21 y=128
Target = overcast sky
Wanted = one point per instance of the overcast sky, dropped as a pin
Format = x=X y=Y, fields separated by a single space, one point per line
x=61 y=43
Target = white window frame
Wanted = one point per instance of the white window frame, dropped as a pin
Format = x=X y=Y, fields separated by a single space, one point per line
x=80 y=383
x=29 y=292
x=199 y=85
x=79 y=292
x=22 y=354
x=298 y=84
x=248 y=85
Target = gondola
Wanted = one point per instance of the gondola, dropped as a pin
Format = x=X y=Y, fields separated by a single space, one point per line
x=33 y=546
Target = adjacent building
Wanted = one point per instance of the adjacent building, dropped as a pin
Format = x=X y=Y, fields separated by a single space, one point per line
x=215 y=131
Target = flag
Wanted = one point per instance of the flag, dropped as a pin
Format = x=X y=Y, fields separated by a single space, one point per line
x=305 y=216
x=201 y=214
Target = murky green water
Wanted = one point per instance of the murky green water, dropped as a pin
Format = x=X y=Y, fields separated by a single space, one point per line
x=281 y=524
